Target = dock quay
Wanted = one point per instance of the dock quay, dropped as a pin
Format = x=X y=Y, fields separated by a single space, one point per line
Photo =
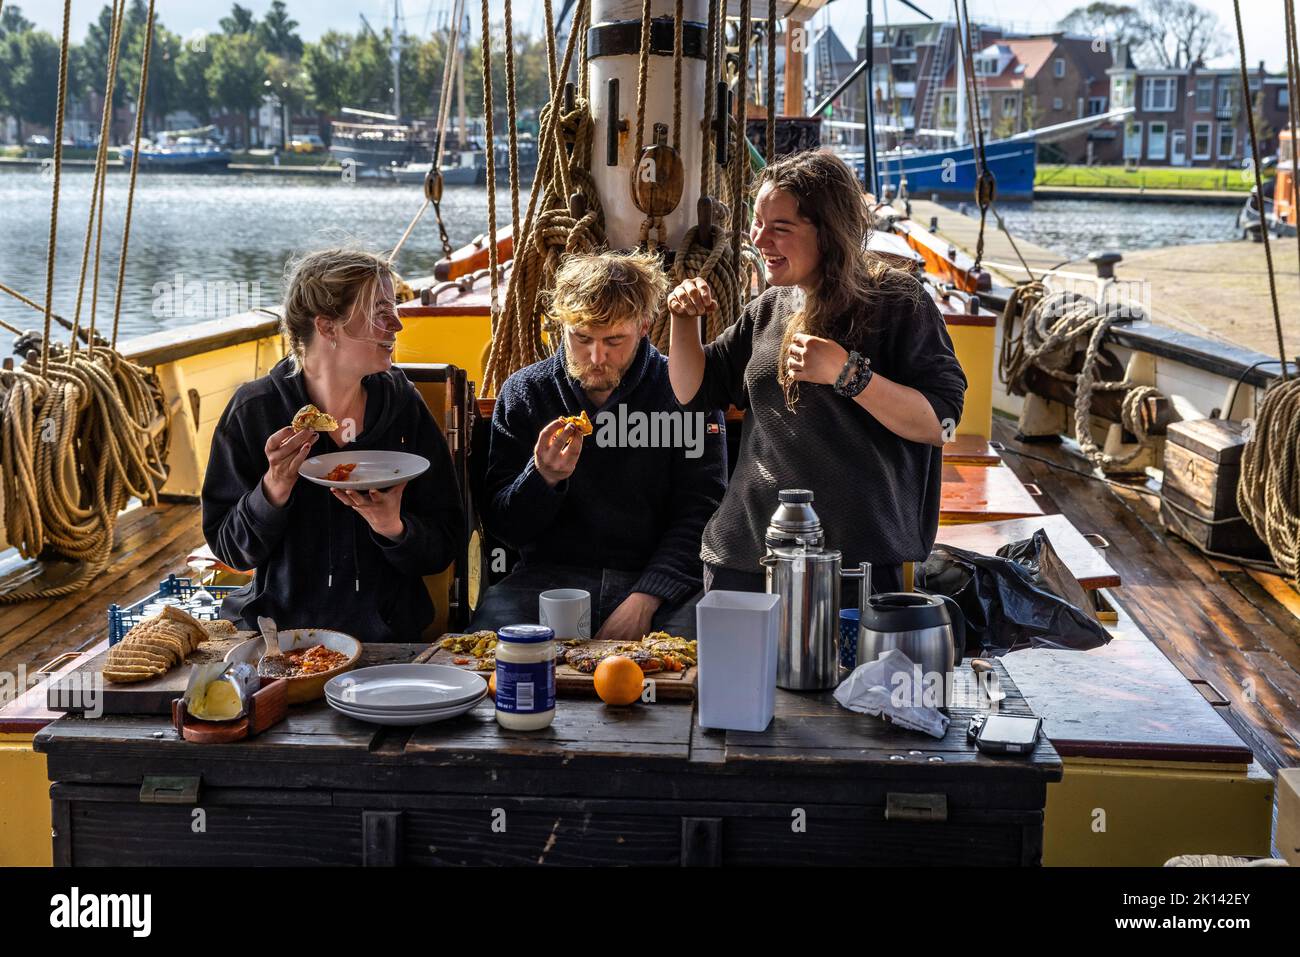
x=1216 y=290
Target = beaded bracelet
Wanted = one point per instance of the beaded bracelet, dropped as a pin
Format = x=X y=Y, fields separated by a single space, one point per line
x=855 y=375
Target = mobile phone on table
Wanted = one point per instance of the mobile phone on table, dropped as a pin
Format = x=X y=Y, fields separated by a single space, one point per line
x=1006 y=733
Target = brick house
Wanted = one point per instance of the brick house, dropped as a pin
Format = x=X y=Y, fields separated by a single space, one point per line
x=1194 y=116
x=1031 y=82
x=911 y=62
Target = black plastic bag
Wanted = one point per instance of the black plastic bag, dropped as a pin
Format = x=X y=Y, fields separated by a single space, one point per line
x=1016 y=601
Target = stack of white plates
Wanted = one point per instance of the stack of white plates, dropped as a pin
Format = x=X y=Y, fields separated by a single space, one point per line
x=404 y=695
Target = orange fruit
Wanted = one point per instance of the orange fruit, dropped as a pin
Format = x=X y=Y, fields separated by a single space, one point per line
x=492 y=686
x=618 y=680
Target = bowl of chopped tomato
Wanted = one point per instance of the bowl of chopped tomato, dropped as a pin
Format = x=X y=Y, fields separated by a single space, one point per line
x=314 y=656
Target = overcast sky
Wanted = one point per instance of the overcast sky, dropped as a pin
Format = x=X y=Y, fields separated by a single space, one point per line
x=1263 y=18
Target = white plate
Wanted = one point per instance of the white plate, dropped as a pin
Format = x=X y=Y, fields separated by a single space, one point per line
x=407 y=719
x=402 y=688
x=375 y=469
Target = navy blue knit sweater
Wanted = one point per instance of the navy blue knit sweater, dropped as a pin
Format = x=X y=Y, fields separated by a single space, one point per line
x=628 y=505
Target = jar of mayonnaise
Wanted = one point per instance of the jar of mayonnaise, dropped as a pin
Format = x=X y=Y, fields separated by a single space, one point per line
x=525 y=677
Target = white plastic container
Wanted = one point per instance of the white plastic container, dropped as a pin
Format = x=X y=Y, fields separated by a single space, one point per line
x=737 y=634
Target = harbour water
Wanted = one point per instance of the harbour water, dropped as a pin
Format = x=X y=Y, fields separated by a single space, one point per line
x=205 y=246
x=230 y=234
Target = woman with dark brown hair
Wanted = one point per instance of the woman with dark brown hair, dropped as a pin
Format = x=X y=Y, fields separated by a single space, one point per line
x=847 y=373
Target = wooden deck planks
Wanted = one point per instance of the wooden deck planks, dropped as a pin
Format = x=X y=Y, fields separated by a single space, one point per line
x=1183 y=602
x=152 y=542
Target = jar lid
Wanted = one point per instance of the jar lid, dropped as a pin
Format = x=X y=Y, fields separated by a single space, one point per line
x=525 y=634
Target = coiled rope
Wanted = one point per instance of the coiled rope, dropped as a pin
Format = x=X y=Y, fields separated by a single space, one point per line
x=76 y=429
x=1052 y=324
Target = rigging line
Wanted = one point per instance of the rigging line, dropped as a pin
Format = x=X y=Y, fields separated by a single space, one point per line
x=642 y=73
x=1293 y=112
x=770 y=145
x=740 y=155
x=679 y=18
x=58 y=169
x=512 y=117
x=1259 y=185
x=101 y=163
x=135 y=168
x=489 y=107
x=706 y=124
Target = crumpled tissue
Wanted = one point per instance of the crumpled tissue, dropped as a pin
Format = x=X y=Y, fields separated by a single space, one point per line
x=873 y=688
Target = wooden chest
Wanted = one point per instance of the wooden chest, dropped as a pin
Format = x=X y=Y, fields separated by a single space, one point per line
x=602 y=785
x=1199 y=495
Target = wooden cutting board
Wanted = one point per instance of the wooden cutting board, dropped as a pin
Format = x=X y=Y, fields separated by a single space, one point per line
x=84 y=689
x=571 y=683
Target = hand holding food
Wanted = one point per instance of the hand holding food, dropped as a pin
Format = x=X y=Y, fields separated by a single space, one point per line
x=381 y=508
x=813 y=359
x=693 y=297
x=286 y=450
x=557 y=450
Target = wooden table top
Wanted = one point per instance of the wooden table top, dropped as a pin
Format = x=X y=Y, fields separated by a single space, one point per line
x=811 y=734
x=978 y=493
x=1086 y=563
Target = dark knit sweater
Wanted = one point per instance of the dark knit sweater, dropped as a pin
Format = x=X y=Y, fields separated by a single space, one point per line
x=877 y=494
x=318 y=563
x=636 y=509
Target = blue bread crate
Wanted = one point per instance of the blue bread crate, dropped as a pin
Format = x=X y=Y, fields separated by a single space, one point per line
x=121 y=620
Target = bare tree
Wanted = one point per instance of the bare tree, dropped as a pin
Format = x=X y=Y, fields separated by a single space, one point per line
x=1112 y=22
x=1179 y=32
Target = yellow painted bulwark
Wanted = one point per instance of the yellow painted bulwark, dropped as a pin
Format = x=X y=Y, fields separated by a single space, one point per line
x=460 y=340
x=1110 y=813
x=24 y=804
x=974 y=347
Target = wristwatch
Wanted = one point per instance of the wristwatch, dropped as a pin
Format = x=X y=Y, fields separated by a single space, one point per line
x=855 y=375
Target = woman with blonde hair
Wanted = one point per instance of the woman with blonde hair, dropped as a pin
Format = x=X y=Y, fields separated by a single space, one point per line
x=847 y=373
x=347 y=560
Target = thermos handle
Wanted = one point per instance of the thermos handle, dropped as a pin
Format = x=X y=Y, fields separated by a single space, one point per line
x=958 y=619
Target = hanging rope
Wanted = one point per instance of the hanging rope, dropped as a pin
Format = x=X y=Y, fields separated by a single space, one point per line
x=489 y=107
x=1293 y=113
x=1268 y=491
x=985 y=183
x=76 y=431
x=101 y=165
x=1052 y=327
x=549 y=229
x=697 y=256
x=58 y=173
x=739 y=155
x=512 y=118
x=769 y=152
x=135 y=167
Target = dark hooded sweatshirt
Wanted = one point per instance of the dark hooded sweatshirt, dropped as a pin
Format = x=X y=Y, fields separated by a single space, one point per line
x=317 y=562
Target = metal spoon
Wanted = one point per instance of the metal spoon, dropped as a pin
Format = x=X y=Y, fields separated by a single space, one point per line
x=272 y=663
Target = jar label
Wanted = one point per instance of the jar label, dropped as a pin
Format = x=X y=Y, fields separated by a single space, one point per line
x=525 y=689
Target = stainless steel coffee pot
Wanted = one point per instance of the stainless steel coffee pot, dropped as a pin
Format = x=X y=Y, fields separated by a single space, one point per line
x=808 y=641
x=929 y=629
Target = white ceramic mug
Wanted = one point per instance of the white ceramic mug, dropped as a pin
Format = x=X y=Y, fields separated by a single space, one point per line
x=566 y=611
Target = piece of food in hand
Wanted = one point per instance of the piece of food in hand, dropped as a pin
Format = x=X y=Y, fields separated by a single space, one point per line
x=618 y=680
x=310 y=417
x=579 y=422
x=340 y=473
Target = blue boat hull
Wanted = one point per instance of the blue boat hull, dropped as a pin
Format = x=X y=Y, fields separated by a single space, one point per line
x=180 y=160
x=951 y=173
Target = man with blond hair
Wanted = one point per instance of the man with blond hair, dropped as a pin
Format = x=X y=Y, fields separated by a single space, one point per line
x=618 y=512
